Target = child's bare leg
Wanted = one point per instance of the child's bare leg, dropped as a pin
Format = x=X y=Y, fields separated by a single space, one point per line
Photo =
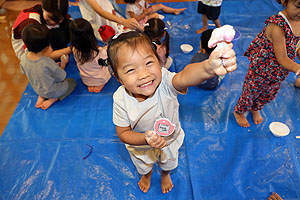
x=204 y=21
x=166 y=9
x=98 y=89
x=39 y=102
x=154 y=15
x=217 y=23
x=145 y=182
x=257 y=118
x=46 y=104
x=297 y=84
x=241 y=119
x=91 y=88
x=166 y=182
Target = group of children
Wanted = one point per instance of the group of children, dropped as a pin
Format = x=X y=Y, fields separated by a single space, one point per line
x=147 y=97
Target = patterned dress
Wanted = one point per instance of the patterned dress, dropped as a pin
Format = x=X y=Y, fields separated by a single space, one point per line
x=265 y=74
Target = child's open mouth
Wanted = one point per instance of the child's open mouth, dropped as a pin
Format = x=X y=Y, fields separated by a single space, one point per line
x=147 y=84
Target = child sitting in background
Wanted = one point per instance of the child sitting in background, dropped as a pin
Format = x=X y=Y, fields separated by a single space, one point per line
x=203 y=54
x=54 y=15
x=46 y=77
x=149 y=94
x=142 y=11
x=88 y=55
x=157 y=32
x=272 y=56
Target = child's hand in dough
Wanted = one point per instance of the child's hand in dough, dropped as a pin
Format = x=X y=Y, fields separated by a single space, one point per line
x=155 y=140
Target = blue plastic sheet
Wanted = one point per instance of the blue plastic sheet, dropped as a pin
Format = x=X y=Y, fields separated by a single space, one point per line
x=42 y=151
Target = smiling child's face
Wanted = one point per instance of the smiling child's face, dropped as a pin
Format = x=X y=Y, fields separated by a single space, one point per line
x=139 y=71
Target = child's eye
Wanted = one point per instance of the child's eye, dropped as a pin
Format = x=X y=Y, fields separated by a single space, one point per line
x=129 y=70
x=149 y=63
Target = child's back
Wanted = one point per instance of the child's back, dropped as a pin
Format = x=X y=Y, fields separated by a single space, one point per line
x=46 y=77
x=87 y=53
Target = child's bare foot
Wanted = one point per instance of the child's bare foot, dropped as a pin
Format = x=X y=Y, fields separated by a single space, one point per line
x=145 y=182
x=241 y=119
x=199 y=31
x=46 y=104
x=257 y=118
x=39 y=102
x=297 y=84
x=179 y=10
x=98 y=89
x=91 y=88
x=166 y=182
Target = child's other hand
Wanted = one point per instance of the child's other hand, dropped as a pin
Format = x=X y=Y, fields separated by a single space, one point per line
x=64 y=60
x=222 y=60
x=155 y=140
x=131 y=23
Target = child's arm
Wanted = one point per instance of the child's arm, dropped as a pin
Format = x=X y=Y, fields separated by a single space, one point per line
x=276 y=35
x=221 y=61
x=129 y=23
x=128 y=136
x=58 y=53
x=137 y=17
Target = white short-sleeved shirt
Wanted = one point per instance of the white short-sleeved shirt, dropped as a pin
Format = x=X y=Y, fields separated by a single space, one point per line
x=213 y=3
x=135 y=9
x=141 y=116
x=96 y=20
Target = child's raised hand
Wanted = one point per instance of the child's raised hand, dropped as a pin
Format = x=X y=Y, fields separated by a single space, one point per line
x=222 y=59
x=223 y=34
x=155 y=140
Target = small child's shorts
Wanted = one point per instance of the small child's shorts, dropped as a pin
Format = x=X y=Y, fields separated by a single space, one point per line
x=143 y=157
x=71 y=86
x=211 y=12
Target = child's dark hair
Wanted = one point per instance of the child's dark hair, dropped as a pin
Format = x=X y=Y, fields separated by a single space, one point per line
x=82 y=38
x=156 y=30
x=204 y=40
x=58 y=8
x=130 y=1
x=133 y=40
x=36 y=37
x=286 y=1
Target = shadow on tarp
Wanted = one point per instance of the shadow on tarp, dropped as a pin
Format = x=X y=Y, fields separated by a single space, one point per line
x=42 y=151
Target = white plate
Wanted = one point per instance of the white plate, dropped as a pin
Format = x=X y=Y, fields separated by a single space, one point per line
x=186 y=48
x=279 y=129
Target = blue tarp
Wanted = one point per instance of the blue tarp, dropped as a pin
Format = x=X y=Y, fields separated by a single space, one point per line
x=42 y=151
